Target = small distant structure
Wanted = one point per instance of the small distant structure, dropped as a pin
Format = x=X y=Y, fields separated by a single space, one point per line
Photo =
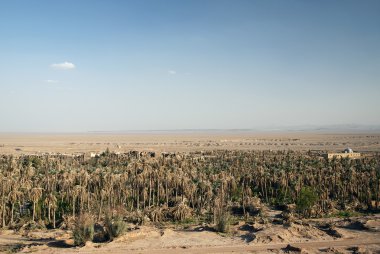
x=348 y=150
x=94 y=155
x=347 y=153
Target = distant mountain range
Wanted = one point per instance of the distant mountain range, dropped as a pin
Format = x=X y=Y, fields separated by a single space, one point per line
x=351 y=128
x=330 y=128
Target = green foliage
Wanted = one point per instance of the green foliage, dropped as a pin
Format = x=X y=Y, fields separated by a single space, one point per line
x=347 y=214
x=282 y=198
x=306 y=200
x=31 y=161
x=83 y=230
x=223 y=223
x=115 y=227
x=187 y=222
x=64 y=207
x=196 y=178
x=236 y=194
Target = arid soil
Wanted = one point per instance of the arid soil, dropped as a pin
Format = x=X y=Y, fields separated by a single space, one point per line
x=182 y=142
x=354 y=235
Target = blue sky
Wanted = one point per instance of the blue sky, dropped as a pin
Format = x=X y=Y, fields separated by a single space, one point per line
x=142 y=65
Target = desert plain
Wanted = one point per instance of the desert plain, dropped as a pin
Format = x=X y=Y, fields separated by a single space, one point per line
x=15 y=143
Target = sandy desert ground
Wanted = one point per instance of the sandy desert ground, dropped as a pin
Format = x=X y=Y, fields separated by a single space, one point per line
x=187 y=141
x=354 y=235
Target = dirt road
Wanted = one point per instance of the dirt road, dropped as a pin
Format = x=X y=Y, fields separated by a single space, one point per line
x=313 y=246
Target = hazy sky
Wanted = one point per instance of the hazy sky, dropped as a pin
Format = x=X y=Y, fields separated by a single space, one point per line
x=140 y=65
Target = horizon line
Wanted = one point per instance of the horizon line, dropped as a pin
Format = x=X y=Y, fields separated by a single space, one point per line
x=300 y=128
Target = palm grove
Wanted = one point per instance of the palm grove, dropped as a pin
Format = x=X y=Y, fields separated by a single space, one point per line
x=185 y=186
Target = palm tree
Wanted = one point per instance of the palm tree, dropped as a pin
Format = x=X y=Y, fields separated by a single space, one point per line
x=35 y=195
x=51 y=202
x=14 y=197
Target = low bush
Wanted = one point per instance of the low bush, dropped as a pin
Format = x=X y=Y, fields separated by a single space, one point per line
x=83 y=230
x=223 y=223
x=306 y=200
x=115 y=227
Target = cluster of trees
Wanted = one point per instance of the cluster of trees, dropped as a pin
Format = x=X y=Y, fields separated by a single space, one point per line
x=179 y=186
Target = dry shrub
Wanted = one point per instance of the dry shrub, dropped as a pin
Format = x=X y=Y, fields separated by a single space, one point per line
x=33 y=225
x=181 y=212
x=67 y=223
x=254 y=205
x=287 y=216
x=83 y=230
x=135 y=217
x=157 y=214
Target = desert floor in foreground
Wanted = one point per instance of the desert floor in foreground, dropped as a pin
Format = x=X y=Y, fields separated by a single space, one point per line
x=354 y=235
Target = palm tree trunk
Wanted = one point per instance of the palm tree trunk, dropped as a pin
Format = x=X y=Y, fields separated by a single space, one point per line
x=100 y=207
x=4 y=215
x=34 y=209
x=150 y=190
x=266 y=190
x=377 y=193
x=158 y=192
x=49 y=213
x=53 y=218
x=166 y=190
x=12 y=208
x=74 y=206
x=138 y=198
x=243 y=199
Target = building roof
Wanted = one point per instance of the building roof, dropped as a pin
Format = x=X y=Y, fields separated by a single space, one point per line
x=348 y=150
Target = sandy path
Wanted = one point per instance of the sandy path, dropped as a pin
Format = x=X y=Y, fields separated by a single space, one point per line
x=313 y=245
x=247 y=248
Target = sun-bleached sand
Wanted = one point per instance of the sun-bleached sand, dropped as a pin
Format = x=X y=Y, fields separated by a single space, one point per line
x=187 y=141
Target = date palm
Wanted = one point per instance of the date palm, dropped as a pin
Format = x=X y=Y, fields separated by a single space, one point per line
x=14 y=197
x=35 y=195
x=51 y=203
